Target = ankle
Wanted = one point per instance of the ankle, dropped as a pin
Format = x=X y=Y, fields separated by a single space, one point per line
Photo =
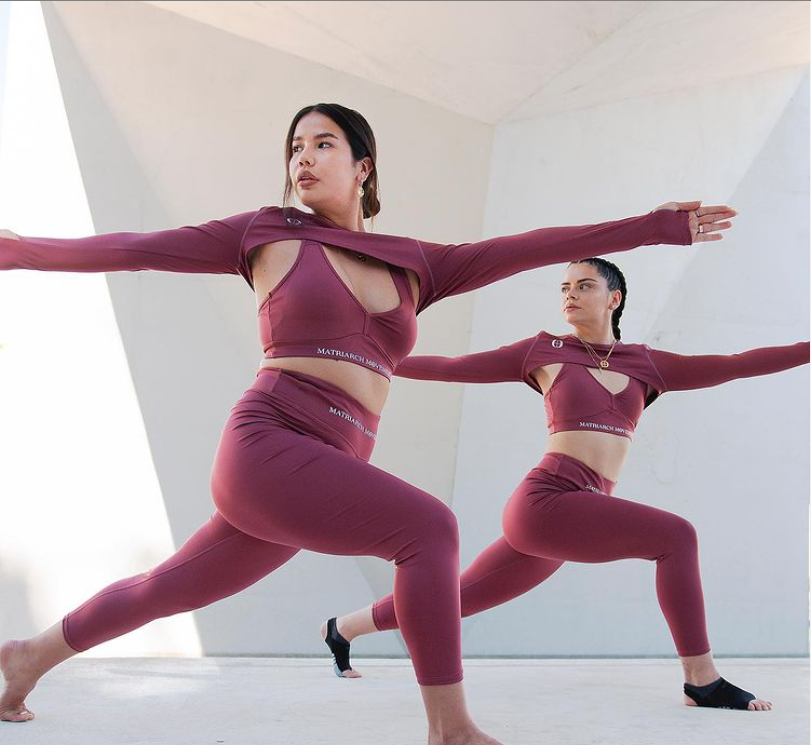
x=19 y=656
x=456 y=736
x=701 y=675
x=32 y=654
x=345 y=628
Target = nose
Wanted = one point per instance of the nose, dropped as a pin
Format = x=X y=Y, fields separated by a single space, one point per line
x=304 y=156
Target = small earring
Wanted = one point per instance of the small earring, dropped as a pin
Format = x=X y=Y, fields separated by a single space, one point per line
x=360 y=191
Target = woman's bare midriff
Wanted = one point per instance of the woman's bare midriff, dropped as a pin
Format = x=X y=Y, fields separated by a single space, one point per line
x=372 y=285
x=367 y=387
x=600 y=451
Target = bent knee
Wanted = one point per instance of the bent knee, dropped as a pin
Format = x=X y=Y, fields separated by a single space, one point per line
x=683 y=534
x=444 y=527
x=436 y=535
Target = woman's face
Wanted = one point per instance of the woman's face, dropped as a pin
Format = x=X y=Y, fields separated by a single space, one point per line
x=320 y=148
x=585 y=299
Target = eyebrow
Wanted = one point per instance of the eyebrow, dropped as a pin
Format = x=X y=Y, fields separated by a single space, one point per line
x=323 y=134
x=585 y=279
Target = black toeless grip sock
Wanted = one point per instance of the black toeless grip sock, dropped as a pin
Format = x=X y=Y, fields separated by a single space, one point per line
x=339 y=648
x=720 y=694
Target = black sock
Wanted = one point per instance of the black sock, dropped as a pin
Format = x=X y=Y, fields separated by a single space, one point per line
x=338 y=646
x=704 y=690
x=720 y=694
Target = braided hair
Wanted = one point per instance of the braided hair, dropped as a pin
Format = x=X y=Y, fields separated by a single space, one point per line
x=616 y=281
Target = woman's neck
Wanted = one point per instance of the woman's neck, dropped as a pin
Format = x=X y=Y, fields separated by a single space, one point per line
x=352 y=222
x=594 y=336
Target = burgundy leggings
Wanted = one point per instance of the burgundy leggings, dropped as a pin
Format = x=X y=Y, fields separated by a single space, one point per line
x=563 y=511
x=291 y=473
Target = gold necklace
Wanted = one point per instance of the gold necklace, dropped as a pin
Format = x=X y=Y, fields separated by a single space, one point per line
x=601 y=362
x=594 y=359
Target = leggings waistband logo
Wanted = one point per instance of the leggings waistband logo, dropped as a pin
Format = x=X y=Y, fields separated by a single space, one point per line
x=360 y=425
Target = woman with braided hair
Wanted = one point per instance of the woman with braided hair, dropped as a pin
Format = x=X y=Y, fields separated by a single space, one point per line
x=595 y=389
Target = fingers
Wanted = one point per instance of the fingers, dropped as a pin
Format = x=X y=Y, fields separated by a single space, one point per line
x=707 y=228
x=709 y=220
x=713 y=226
x=714 y=217
x=716 y=211
x=704 y=237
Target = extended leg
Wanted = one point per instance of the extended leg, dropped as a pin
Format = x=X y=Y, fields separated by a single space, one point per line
x=594 y=528
x=215 y=562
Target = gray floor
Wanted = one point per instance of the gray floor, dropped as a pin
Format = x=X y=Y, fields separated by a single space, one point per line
x=242 y=701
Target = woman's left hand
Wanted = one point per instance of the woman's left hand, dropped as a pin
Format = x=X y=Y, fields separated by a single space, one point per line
x=705 y=222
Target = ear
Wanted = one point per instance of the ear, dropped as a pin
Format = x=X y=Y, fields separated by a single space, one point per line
x=366 y=167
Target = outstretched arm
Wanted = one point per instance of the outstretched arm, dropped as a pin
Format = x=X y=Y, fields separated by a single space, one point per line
x=458 y=268
x=211 y=248
x=501 y=365
x=687 y=372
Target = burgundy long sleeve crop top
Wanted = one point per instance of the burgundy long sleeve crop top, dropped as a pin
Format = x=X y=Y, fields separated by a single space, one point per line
x=225 y=246
x=576 y=400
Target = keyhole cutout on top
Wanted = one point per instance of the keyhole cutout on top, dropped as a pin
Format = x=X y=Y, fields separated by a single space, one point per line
x=612 y=381
x=272 y=263
x=379 y=292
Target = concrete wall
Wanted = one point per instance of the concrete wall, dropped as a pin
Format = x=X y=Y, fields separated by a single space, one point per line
x=176 y=122
x=732 y=459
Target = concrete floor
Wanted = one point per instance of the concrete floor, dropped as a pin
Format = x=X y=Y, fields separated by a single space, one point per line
x=242 y=701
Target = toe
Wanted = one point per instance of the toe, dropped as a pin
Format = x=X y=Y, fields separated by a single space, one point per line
x=17 y=716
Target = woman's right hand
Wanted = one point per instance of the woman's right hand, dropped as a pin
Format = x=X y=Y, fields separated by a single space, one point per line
x=703 y=221
x=9 y=235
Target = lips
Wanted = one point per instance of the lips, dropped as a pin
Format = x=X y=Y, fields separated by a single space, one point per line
x=306 y=177
x=571 y=307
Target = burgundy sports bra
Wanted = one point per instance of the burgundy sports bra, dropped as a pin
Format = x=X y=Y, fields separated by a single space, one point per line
x=312 y=313
x=577 y=401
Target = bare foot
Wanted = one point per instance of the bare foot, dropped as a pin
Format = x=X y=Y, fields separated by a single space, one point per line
x=16 y=667
x=345 y=673
x=474 y=737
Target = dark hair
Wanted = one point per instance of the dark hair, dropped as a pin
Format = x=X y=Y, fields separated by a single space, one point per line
x=361 y=141
x=616 y=281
